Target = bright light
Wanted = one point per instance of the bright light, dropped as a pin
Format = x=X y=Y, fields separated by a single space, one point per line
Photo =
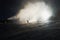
x=35 y=12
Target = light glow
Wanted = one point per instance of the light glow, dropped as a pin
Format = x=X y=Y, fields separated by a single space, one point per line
x=35 y=12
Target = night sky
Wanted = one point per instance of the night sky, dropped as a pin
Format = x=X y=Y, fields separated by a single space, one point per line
x=10 y=8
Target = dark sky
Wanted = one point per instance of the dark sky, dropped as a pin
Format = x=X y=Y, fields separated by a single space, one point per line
x=9 y=8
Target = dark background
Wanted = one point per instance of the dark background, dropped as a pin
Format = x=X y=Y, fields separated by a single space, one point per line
x=9 y=8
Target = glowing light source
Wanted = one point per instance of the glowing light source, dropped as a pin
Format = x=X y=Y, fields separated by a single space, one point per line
x=35 y=12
